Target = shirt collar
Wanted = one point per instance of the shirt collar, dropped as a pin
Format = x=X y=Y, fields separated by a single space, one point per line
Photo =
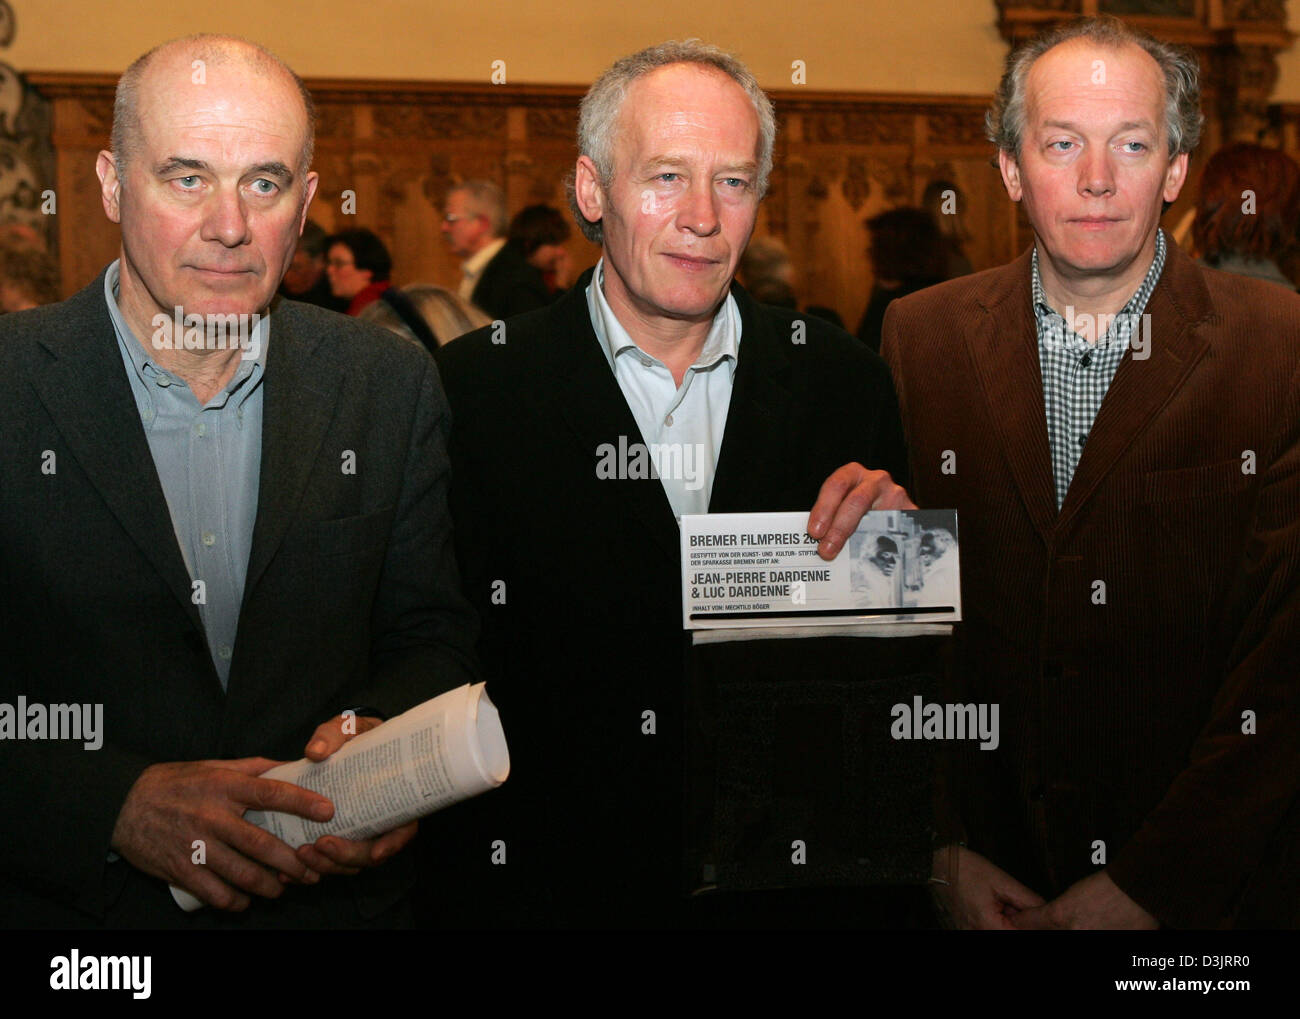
x=473 y=266
x=723 y=340
x=1135 y=304
x=142 y=360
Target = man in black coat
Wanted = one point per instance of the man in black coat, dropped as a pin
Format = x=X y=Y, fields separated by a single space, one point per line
x=214 y=551
x=572 y=554
x=495 y=276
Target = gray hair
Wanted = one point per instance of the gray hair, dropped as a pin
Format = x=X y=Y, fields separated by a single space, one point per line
x=1004 y=124
x=211 y=49
x=486 y=199
x=598 y=114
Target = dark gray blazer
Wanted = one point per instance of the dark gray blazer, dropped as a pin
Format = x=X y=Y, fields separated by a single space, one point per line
x=351 y=597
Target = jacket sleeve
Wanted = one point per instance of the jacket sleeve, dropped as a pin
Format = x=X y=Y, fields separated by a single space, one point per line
x=423 y=629
x=1196 y=849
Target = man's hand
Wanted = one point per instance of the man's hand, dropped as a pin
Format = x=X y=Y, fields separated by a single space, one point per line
x=330 y=854
x=983 y=897
x=1095 y=903
x=172 y=805
x=844 y=497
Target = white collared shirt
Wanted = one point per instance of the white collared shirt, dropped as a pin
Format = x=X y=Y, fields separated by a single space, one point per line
x=472 y=268
x=681 y=426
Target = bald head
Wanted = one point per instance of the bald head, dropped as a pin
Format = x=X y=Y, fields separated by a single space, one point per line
x=192 y=62
x=208 y=180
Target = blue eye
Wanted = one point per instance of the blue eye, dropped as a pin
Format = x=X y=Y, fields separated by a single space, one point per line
x=193 y=180
x=270 y=186
x=1140 y=146
x=1053 y=145
x=736 y=182
x=668 y=178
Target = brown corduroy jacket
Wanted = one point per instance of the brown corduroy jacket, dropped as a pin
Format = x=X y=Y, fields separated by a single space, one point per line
x=1143 y=643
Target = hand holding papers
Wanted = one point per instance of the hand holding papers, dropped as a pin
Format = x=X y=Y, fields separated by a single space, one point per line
x=438 y=753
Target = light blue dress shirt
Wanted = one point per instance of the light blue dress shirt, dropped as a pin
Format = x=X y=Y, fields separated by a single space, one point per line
x=208 y=458
x=681 y=426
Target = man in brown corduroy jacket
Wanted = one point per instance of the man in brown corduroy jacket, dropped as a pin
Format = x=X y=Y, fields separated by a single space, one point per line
x=1128 y=493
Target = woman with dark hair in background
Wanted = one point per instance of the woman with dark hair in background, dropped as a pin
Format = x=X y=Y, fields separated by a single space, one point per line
x=907 y=254
x=943 y=200
x=539 y=233
x=1248 y=212
x=358 y=266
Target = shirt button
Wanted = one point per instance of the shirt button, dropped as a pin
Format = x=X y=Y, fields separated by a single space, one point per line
x=1087 y=360
x=147 y=415
x=200 y=430
x=1083 y=439
x=209 y=538
x=668 y=420
x=224 y=652
x=164 y=381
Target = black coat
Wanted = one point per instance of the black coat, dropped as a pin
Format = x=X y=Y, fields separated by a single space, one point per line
x=351 y=596
x=585 y=633
x=510 y=286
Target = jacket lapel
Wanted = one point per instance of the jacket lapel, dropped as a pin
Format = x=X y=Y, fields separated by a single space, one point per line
x=1141 y=387
x=87 y=393
x=758 y=417
x=593 y=407
x=301 y=387
x=1004 y=351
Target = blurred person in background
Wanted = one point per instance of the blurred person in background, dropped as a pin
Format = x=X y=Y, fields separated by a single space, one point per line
x=767 y=272
x=907 y=254
x=1248 y=212
x=426 y=313
x=28 y=278
x=539 y=233
x=358 y=265
x=305 y=279
x=944 y=202
x=494 y=275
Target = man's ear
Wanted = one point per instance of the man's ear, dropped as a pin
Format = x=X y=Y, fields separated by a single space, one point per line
x=1175 y=177
x=1010 y=174
x=110 y=186
x=587 y=190
x=313 y=180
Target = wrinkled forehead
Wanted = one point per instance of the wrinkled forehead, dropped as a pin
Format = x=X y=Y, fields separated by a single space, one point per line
x=230 y=109
x=681 y=103
x=1081 y=77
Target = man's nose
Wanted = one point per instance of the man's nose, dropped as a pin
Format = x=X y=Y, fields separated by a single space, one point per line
x=226 y=220
x=1096 y=173
x=698 y=212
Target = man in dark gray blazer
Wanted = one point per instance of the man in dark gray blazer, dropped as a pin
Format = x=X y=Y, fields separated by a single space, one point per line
x=228 y=553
